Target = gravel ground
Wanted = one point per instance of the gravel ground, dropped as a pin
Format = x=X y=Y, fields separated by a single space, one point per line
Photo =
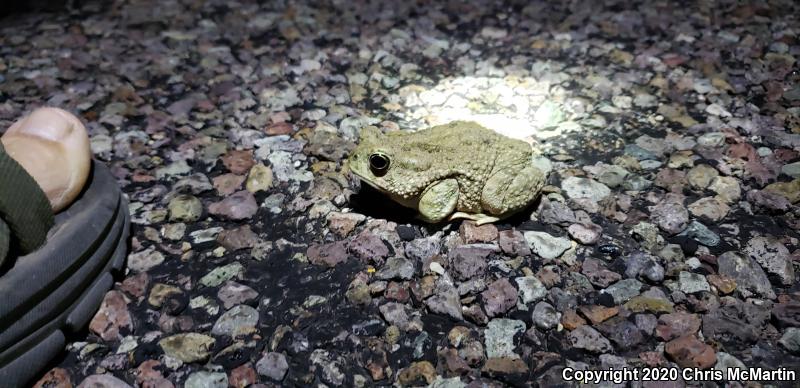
x=667 y=234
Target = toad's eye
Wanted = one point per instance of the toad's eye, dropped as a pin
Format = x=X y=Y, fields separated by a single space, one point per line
x=379 y=163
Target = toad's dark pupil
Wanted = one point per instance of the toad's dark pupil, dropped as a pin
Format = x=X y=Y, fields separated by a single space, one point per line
x=379 y=163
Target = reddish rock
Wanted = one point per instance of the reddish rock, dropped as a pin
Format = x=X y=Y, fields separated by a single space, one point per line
x=104 y=381
x=136 y=285
x=238 y=206
x=327 y=254
x=571 y=320
x=477 y=234
x=513 y=243
x=239 y=238
x=238 y=162
x=55 y=378
x=676 y=325
x=281 y=128
x=243 y=376
x=148 y=375
x=397 y=292
x=367 y=246
x=112 y=318
x=598 y=314
x=724 y=284
x=499 y=297
x=504 y=366
x=227 y=184
x=689 y=352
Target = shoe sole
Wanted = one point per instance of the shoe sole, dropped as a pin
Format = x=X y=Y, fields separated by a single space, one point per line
x=56 y=290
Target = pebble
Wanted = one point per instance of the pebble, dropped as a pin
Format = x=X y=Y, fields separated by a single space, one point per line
x=445 y=300
x=689 y=352
x=587 y=338
x=113 y=319
x=398 y=268
x=531 y=289
x=773 y=257
x=467 y=261
x=585 y=188
x=749 y=277
x=232 y=293
x=791 y=340
x=499 y=337
x=187 y=347
x=587 y=233
x=546 y=245
x=203 y=379
x=670 y=215
x=238 y=320
x=545 y=316
x=273 y=366
x=185 y=208
x=499 y=297
x=709 y=208
x=221 y=274
x=701 y=176
x=259 y=178
x=145 y=260
x=240 y=205
x=103 y=380
x=690 y=283
x=623 y=290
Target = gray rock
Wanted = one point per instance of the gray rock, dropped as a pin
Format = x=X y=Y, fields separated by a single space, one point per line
x=467 y=261
x=235 y=321
x=589 y=339
x=396 y=268
x=670 y=215
x=273 y=365
x=576 y=187
x=401 y=316
x=597 y=273
x=623 y=290
x=446 y=301
x=144 y=260
x=647 y=235
x=499 y=337
x=203 y=379
x=102 y=381
x=585 y=233
x=644 y=265
x=773 y=256
x=750 y=278
x=701 y=234
x=791 y=340
x=727 y=361
x=555 y=212
x=639 y=153
x=636 y=183
x=690 y=283
x=530 y=289
x=545 y=316
x=791 y=169
x=331 y=366
x=545 y=245
x=422 y=248
x=232 y=293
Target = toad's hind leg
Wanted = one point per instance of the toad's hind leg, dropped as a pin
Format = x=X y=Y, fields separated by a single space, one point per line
x=509 y=190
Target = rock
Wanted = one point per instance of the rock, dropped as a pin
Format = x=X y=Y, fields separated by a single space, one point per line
x=624 y=333
x=259 y=179
x=674 y=325
x=239 y=238
x=773 y=256
x=368 y=246
x=768 y=200
x=545 y=316
x=531 y=289
x=712 y=139
x=160 y=292
x=273 y=365
x=187 y=347
x=791 y=340
x=555 y=212
x=598 y=314
x=499 y=337
x=341 y=224
x=467 y=261
x=148 y=374
x=671 y=180
x=709 y=208
x=219 y=275
x=103 y=381
x=185 y=208
x=586 y=233
x=689 y=352
x=113 y=319
x=396 y=268
x=499 y=297
x=545 y=245
x=421 y=249
x=145 y=260
x=243 y=376
x=227 y=184
x=238 y=320
x=203 y=379
x=648 y=236
x=587 y=338
x=241 y=205
x=623 y=290
x=670 y=215
x=644 y=265
x=724 y=284
x=401 y=316
x=504 y=367
x=737 y=322
x=446 y=301
x=597 y=273
x=788 y=190
x=701 y=234
x=787 y=314
x=791 y=169
x=478 y=234
x=232 y=293
x=725 y=362
x=690 y=283
x=585 y=188
x=238 y=162
x=329 y=254
x=750 y=278
x=416 y=373
x=727 y=188
x=700 y=176
x=330 y=365
x=54 y=378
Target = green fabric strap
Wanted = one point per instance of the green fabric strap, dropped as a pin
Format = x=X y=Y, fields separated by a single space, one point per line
x=23 y=206
x=5 y=240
